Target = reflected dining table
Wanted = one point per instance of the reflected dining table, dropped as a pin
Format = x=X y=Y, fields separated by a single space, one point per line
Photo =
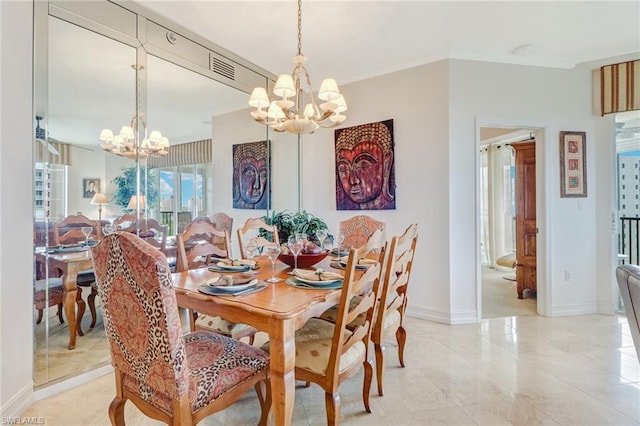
x=278 y=310
x=71 y=263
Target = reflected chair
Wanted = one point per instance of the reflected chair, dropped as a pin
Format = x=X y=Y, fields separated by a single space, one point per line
x=124 y=221
x=196 y=249
x=55 y=289
x=173 y=378
x=69 y=231
x=358 y=229
x=628 y=277
x=151 y=231
x=252 y=228
x=328 y=353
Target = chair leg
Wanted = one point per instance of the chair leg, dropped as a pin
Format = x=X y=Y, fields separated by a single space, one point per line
x=39 y=319
x=91 y=300
x=401 y=338
x=81 y=308
x=60 y=309
x=332 y=404
x=116 y=411
x=379 y=350
x=366 y=388
x=263 y=389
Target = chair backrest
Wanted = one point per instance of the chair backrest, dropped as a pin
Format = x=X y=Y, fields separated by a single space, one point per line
x=152 y=232
x=398 y=265
x=125 y=221
x=222 y=221
x=250 y=229
x=141 y=316
x=628 y=277
x=69 y=230
x=358 y=229
x=197 y=245
x=366 y=286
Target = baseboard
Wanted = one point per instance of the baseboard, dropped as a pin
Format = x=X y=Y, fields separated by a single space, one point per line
x=19 y=403
x=67 y=384
x=444 y=317
x=573 y=310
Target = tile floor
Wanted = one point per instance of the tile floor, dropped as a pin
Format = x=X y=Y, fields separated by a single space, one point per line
x=514 y=370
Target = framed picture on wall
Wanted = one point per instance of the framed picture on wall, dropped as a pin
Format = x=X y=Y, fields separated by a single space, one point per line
x=573 y=165
x=251 y=186
x=90 y=186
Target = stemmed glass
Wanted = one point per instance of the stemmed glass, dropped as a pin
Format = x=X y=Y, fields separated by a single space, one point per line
x=251 y=248
x=86 y=231
x=321 y=235
x=107 y=229
x=273 y=251
x=295 y=246
x=340 y=241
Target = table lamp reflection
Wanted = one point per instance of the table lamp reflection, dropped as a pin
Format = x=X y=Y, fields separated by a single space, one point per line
x=135 y=200
x=100 y=199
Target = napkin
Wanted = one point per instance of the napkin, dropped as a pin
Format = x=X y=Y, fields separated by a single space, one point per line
x=225 y=263
x=228 y=281
x=313 y=276
x=361 y=261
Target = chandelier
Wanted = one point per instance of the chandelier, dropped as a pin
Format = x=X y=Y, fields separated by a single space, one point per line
x=287 y=114
x=126 y=143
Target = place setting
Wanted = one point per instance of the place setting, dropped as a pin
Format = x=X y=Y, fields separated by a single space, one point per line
x=235 y=265
x=68 y=248
x=232 y=285
x=363 y=263
x=315 y=280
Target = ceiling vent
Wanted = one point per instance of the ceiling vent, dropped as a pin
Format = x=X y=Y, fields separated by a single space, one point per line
x=218 y=66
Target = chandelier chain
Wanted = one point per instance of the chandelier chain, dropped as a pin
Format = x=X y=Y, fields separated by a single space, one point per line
x=299 y=27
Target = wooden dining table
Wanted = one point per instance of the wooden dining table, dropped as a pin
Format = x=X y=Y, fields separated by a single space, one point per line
x=70 y=264
x=278 y=310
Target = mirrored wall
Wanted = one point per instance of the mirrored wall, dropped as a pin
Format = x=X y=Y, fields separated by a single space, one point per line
x=93 y=72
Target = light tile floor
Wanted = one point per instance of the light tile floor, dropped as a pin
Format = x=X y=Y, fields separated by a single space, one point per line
x=515 y=370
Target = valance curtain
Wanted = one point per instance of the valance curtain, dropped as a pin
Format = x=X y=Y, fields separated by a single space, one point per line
x=496 y=206
x=199 y=152
x=620 y=87
x=43 y=155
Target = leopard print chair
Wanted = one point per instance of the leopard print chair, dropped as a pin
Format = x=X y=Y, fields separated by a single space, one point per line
x=170 y=377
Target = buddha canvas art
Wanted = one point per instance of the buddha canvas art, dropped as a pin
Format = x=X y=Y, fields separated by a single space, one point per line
x=250 y=175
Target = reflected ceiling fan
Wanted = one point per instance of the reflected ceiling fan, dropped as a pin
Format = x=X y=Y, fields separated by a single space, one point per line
x=41 y=137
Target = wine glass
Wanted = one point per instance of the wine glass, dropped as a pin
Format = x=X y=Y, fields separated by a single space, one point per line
x=321 y=235
x=273 y=251
x=295 y=246
x=251 y=248
x=340 y=241
x=86 y=231
x=107 y=229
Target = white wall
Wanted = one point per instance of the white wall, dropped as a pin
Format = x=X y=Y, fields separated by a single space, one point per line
x=16 y=208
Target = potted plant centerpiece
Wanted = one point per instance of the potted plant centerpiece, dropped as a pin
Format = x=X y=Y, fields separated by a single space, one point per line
x=289 y=224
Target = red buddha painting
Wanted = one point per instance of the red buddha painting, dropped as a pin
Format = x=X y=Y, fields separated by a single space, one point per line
x=365 y=176
x=250 y=175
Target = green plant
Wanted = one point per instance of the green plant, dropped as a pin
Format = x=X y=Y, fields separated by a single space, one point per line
x=126 y=187
x=291 y=223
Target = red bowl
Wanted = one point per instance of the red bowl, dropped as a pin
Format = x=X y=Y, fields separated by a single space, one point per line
x=304 y=260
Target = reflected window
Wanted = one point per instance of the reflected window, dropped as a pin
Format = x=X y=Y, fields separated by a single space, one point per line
x=50 y=191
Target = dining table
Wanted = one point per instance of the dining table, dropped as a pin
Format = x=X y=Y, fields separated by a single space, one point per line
x=70 y=262
x=279 y=310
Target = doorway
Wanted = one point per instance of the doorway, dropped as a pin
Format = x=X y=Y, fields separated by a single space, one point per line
x=496 y=216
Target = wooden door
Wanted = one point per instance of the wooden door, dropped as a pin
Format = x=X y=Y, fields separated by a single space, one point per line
x=526 y=230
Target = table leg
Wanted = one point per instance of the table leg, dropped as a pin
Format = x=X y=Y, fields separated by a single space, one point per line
x=282 y=350
x=69 y=278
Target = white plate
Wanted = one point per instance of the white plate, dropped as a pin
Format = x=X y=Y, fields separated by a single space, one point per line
x=316 y=282
x=234 y=287
x=233 y=268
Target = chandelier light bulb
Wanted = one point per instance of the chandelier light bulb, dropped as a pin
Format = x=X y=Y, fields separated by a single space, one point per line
x=126 y=143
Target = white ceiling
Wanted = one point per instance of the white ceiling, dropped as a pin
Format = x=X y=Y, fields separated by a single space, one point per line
x=347 y=40
x=354 y=40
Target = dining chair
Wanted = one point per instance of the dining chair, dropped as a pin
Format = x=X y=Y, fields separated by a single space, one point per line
x=175 y=378
x=150 y=230
x=251 y=228
x=391 y=310
x=223 y=222
x=358 y=229
x=328 y=353
x=196 y=249
x=69 y=231
x=54 y=287
x=628 y=277
x=124 y=221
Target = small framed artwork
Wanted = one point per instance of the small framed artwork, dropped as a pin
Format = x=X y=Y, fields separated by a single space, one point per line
x=573 y=164
x=90 y=186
